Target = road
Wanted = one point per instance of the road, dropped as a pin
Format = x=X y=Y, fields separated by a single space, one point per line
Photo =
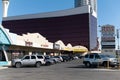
x=72 y=70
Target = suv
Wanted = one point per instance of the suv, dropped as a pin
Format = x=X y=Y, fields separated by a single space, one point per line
x=97 y=59
x=29 y=60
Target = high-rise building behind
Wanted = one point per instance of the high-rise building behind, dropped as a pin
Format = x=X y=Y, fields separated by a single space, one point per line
x=92 y=3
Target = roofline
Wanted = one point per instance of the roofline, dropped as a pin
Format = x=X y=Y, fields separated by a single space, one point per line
x=67 y=12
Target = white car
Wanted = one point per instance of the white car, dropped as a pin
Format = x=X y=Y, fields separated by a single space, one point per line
x=49 y=61
x=29 y=60
x=95 y=59
x=57 y=58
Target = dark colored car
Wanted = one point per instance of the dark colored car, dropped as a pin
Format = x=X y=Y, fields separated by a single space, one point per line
x=66 y=58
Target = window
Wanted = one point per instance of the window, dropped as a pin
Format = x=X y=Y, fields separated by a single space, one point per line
x=86 y=56
x=33 y=57
x=89 y=2
x=91 y=56
x=27 y=57
x=40 y=57
x=97 y=56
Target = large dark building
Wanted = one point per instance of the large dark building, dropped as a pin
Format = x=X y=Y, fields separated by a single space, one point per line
x=77 y=26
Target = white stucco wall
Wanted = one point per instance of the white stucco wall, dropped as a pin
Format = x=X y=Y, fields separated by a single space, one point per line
x=36 y=40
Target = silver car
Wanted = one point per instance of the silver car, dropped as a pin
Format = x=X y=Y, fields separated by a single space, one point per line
x=29 y=60
x=99 y=59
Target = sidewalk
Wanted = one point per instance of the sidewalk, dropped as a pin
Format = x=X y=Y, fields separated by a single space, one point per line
x=4 y=65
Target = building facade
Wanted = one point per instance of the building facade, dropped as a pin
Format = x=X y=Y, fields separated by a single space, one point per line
x=77 y=26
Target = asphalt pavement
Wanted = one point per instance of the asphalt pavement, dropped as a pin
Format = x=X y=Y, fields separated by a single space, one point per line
x=73 y=70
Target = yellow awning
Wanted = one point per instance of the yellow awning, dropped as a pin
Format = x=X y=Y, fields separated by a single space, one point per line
x=80 y=50
x=68 y=49
x=76 y=49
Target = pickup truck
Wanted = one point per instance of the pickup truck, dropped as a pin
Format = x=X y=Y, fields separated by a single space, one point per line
x=29 y=60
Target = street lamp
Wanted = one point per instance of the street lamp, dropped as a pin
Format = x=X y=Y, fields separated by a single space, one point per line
x=117 y=53
x=118 y=38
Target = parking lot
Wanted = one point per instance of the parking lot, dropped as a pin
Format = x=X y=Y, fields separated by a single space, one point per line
x=72 y=70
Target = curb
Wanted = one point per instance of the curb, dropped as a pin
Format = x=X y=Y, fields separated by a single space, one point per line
x=106 y=69
x=1 y=67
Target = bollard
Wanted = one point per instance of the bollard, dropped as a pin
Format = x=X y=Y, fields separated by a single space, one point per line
x=108 y=66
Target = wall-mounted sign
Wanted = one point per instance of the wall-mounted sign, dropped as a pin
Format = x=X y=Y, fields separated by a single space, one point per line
x=56 y=46
x=28 y=43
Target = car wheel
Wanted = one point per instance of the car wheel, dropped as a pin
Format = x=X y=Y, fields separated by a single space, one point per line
x=18 y=65
x=87 y=64
x=38 y=64
x=55 y=61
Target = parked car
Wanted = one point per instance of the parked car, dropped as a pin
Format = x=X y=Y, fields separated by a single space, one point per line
x=95 y=59
x=49 y=61
x=65 y=58
x=29 y=60
x=57 y=59
x=76 y=57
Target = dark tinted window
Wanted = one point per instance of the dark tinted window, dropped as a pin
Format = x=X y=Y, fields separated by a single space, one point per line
x=56 y=56
x=91 y=56
x=27 y=57
x=33 y=57
x=40 y=57
x=97 y=56
x=86 y=56
x=47 y=58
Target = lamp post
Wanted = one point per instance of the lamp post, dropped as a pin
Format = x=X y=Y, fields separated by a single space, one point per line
x=117 y=53
x=118 y=38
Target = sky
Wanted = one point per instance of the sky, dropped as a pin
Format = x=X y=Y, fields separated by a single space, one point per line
x=108 y=10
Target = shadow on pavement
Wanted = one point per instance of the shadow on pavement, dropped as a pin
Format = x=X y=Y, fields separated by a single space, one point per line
x=78 y=66
x=83 y=67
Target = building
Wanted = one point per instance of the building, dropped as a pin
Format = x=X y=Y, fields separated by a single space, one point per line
x=77 y=26
x=92 y=3
x=13 y=45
